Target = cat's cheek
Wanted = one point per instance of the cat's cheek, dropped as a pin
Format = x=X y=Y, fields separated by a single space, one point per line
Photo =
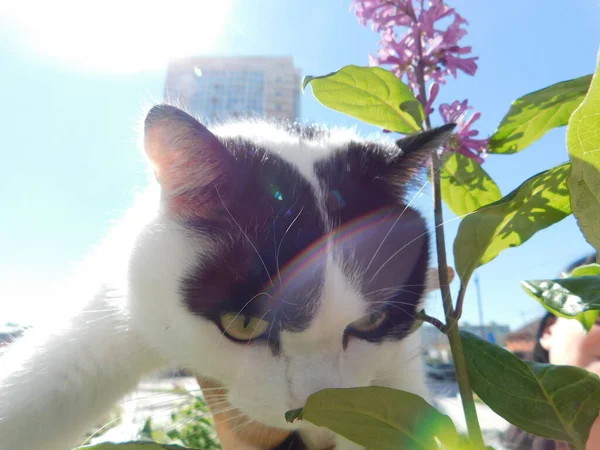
x=402 y=367
x=260 y=391
x=362 y=360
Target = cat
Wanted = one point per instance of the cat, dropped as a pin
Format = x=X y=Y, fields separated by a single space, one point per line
x=275 y=259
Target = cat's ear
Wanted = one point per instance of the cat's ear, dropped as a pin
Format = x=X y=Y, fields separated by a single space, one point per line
x=189 y=162
x=420 y=145
x=415 y=151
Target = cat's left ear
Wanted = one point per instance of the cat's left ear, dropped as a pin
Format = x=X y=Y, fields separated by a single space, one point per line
x=415 y=151
x=193 y=167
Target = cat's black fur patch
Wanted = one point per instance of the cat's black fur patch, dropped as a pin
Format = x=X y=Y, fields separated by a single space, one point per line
x=356 y=178
x=272 y=200
x=353 y=180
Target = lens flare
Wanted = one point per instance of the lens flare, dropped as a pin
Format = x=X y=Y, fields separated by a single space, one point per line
x=116 y=36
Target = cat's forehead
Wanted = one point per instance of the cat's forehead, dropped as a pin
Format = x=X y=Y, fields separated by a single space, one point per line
x=301 y=145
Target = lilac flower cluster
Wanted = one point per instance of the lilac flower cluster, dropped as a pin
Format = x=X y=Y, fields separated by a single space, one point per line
x=463 y=140
x=421 y=43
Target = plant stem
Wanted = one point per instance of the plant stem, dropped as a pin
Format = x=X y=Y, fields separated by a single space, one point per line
x=461 y=297
x=464 y=386
x=433 y=321
x=440 y=237
x=452 y=329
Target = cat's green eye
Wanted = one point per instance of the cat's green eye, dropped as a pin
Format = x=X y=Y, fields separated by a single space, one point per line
x=243 y=328
x=369 y=322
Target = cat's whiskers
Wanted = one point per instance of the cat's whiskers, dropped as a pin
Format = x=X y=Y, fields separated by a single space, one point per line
x=108 y=316
x=99 y=431
x=306 y=303
x=94 y=311
x=392 y=303
x=170 y=411
x=285 y=315
x=151 y=395
x=426 y=183
x=178 y=402
x=182 y=422
x=174 y=424
x=387 y=293
x=212 y=389
x=396 y=305
x=236 y=417
x=119 y=417
x=394 y=224
x=219 y=403
x=246 y=236
x=241 y=426
x=186 y=420
x=406 y=245
x=269 y=334
x=182 y=394
x=396 y=287
x=216 y=397
x=281 y=242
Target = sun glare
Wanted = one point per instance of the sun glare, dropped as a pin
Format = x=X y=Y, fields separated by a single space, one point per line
x=117 y=35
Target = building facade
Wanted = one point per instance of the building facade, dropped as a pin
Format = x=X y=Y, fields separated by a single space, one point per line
x=218 y=88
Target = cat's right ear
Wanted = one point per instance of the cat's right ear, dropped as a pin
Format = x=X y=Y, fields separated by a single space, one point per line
x=190 y=163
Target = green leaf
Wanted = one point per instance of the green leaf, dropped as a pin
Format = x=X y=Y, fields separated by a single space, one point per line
x=583 y=142
x=294 y=414
x=371 y=94
x=532 y=115
x=576 y=297
x=465 y=185
x=381 y=418
x=134 y=446
x=556 y=402
x=587 y=270
x=539 y=202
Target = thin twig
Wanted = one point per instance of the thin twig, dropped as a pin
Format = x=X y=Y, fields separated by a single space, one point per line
x=433 y=321
x=459 y=301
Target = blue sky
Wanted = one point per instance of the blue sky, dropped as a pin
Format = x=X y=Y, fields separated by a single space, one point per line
x=72 y=94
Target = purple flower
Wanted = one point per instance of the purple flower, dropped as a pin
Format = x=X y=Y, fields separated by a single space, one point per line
x=420 y=41
x=382 y=13
x=463 y=141
x=422 y=44
x=434 y=89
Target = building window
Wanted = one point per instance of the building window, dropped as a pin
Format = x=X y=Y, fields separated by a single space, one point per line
x=277 y=93
x=277 y=106
x=278 y=79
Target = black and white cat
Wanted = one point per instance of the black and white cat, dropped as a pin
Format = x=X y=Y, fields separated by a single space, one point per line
x=279 y=261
